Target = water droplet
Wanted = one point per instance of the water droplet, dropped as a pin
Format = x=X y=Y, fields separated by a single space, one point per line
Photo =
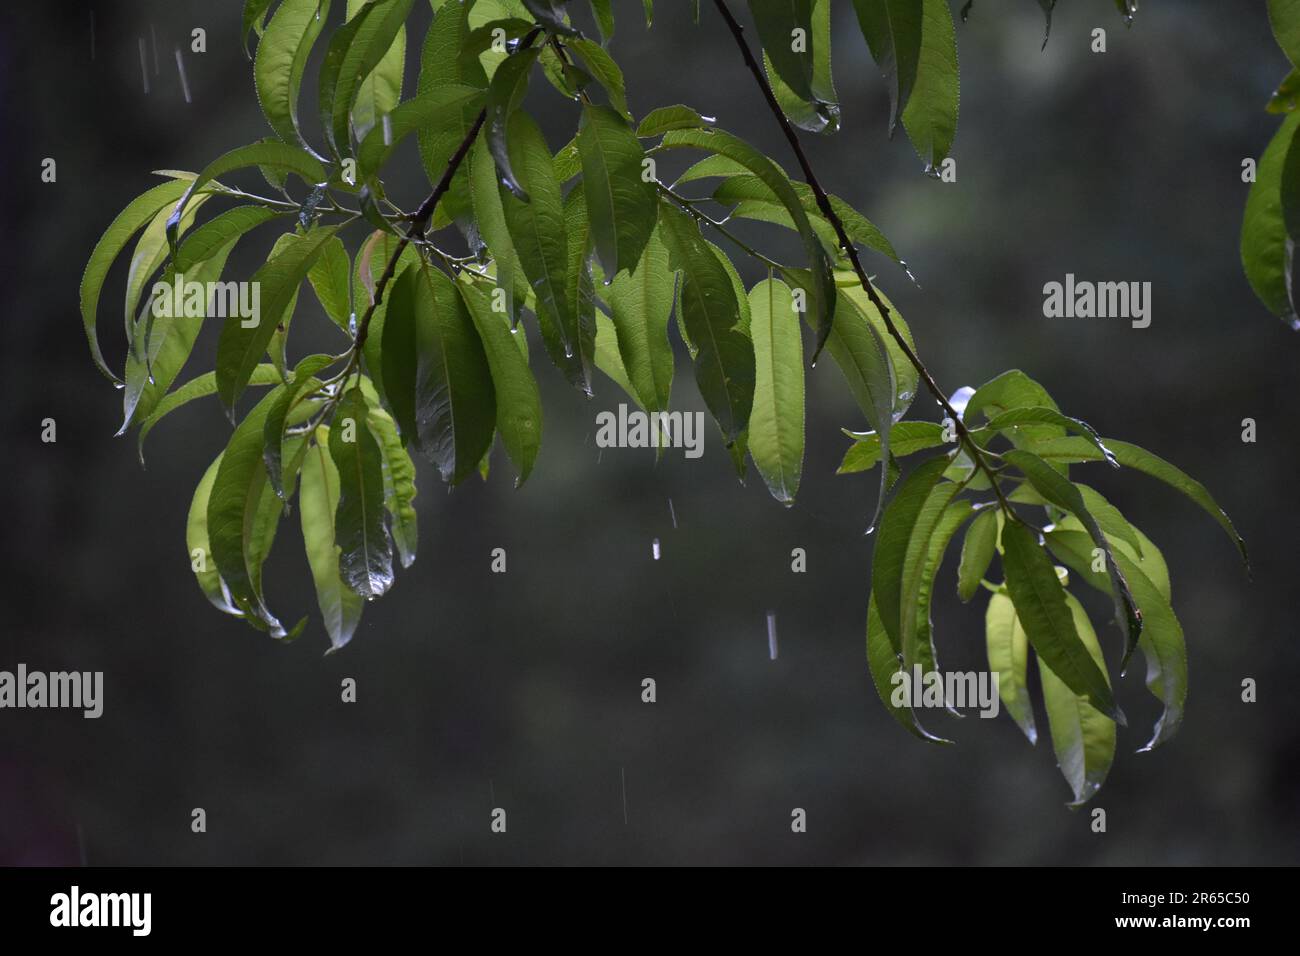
x=119 y=385
x=654 y=548
x=568 y=351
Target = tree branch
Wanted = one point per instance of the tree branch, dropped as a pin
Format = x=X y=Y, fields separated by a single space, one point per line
x=824 y=204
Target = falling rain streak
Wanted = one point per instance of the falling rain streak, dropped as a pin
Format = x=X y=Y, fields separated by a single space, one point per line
x=180 y=69
x=654 y=548
x=144 y=66
x=771 y=635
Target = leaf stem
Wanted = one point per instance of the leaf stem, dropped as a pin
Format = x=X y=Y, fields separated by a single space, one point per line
x=824 y=204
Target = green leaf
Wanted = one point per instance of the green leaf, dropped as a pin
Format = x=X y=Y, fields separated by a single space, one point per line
x=400 y=359
x=219 y=232
x=455 y=402
x=640 y=306
x=518 y=402
x=240 y=501
x=925 y=531
x=849 y=345
x=621 y=204
x=443 y=63
x=1287 y=95
x=1008 y=653
x=810 y=103
x=196 y=541
x=921 y=639
x=1266 y=250
x=509 y=84
x=905 y=438
x=892 y=29
x=369 y=266
x=537 y=227
x=885 y=666
x=318 y=501
x=254 y=19
x=329 y=280
x=198 y=387
x=1061 y=492
x=1139 y=459
x=821 y=290
x=603 y=68
x=1040 y=604
x=355 y=50
x=1284 y=17
x=281 y=60
x=1029 y=415
x=489 y=214
x=608 y=359
x=710 y=310
x=550 y=14
x=304 y=381
x=240 y=348
x=366 y=561
x=665 y=118
x=1083 y=737
x=128 y=222
x=889 y=557
x=604 y=15
x=381 y=91
x=439 y=112
x=399 y=485
x=269 y=155
x=977 y=554
x=776 y=425
x=930 y=116
x=580 y=292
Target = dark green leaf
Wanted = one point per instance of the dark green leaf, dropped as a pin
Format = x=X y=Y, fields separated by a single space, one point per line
x=318 y=502
x=892 y=29
x=354 y=51
x=893 y=536
x=281 y=60
x=905 y=438
x=620 y=202
x=1266 y=250
x=509 y=84
x=930 y=116
x=885 y=666
x=366 y=561
x=399 y=485
x=977 y=553
x=665 y=118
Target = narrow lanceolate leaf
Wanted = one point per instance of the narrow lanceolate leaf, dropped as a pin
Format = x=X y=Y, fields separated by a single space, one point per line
x=518 y=402
x=949 y=523
x=441 y=65
x=489 y=215
x=354 y=52
x=1162 y=642
x=399 y=357
x=821 y=289
x=537 y=228
x=854 y=310
x=889 y=557
x=381 y=91
x=930 y=116
x=1139 y=459
x=254 y=19
x=812 y=104
x=1016 y=418
x=399 y=485
x=371 y=261
x=318 y=501
x=887 y=674
x=241 y=496
x=1284 y=17
x=710 y=310
x=509 y=84
x=1008 y=655
x=580 y=293
x=268 y=155
x=455 y=400
x=1266 y=250
x=304 y=382
x=608 y=359
x=119 y=232
x=199 y=387
x=1083 y=737
x=977 y=553
x=1287 y=95
x=281 y=60
x=1040 y=604
x=905 y=438
x=603 y=68
x=665 y=118
x=785 y=30
x=366 y=559
x=241 y=346
x=218 y=232
x=604 y=14
x=200 y=551
x=438 y=112
x=892 y=29
x=776 y=426
x=914 y=640
x=329 y=280
x=1060 y=491
x=620 y=202
x=641 y=305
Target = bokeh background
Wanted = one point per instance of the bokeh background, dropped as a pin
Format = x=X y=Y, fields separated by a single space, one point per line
x=523 y=690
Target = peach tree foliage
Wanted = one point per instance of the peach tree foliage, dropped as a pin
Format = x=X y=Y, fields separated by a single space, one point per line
x=601 y=259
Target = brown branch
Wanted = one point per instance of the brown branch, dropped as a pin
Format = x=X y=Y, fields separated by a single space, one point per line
x=824 y=204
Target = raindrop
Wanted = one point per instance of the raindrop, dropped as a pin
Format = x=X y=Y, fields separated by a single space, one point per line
x=388 y=130
x=568 y=350
x=654 y=548
x=771 y=635
x=870 y=530
x=673 y=513
x=119 y=385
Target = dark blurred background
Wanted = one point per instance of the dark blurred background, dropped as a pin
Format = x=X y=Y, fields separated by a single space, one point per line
x=522 y=690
